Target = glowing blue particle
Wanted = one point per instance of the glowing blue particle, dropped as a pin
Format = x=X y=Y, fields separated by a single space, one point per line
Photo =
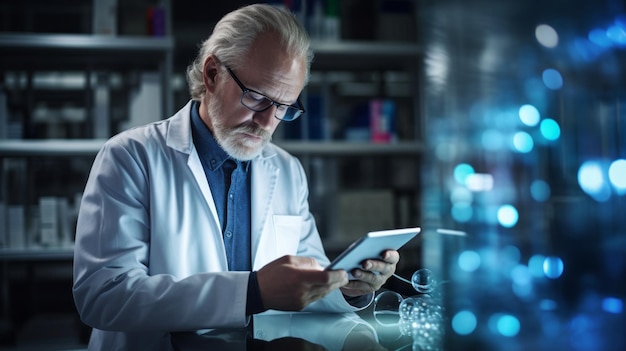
x=535 y=265
x=507 y=216
x=546 y=36
x=553 y=267
x=464 y=322
x=492 y=140
x=617 y=174
x=550 y=129
x=613 y=305
x=540 y=190
x=469 y=261
x=598 y=37
x=461 y=171
x=548 y=305
x=462 y=212
x=552 y=79
x=504 y=324
x=617 y=34
x=522 y=281
x=529 y=115
x=591 y=181
x=461 y=195
x=523 y=142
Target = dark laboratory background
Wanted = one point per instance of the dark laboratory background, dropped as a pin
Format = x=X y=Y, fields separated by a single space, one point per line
x=507 y=146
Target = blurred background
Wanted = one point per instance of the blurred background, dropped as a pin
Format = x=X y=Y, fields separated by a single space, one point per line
x=497 y=126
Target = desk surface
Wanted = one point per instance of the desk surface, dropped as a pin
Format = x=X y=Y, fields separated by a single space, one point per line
x=299 y=331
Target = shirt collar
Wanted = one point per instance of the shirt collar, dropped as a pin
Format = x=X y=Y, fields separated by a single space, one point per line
x=208 y=148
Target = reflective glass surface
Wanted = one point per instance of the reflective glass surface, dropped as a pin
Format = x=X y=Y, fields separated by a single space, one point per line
x=525 y=125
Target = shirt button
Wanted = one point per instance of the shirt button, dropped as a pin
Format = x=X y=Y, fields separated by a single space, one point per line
x=229 y=234
x=230 y=195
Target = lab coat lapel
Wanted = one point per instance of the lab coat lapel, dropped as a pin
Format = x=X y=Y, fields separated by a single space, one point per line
x=264 y=178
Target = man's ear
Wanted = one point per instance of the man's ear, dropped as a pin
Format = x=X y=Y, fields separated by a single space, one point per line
x=210 y=73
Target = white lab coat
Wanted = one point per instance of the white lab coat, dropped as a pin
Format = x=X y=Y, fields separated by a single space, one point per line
x=149 y=255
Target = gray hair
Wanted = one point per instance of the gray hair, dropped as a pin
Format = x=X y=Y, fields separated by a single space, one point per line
x=235 y=33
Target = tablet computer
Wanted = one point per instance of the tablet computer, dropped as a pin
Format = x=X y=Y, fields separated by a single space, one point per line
x=371 y=246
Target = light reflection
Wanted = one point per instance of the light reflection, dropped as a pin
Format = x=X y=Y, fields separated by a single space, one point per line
x=529 y=115
x=479 y=182
x=613 y=305
x=464 y=322
x=550 y=129
x=469 y=261
x=617 y=175
x=591 y=180
x=546 y=36
x=504 y=324
x=507 y=216
x=535 y=265
x=540 y=190
x=552 y=79
x=462 y=171
x=492 y=140
x=553 y=267
x=461 y=212
x=523 y=142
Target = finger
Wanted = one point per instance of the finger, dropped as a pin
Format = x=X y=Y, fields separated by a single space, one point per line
x=305 y=262
x=333 y=279
x=379 y=267
x=391 y=256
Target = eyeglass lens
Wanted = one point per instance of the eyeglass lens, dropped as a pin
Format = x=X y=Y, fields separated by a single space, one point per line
x=258 y=102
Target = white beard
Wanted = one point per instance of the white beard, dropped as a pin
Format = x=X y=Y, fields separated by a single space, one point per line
x=229 y=137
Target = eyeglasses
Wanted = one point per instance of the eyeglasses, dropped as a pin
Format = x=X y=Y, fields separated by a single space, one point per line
x=258 y=102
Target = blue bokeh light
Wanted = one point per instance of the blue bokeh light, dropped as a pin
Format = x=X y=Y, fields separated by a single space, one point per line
x=550 y=129
x=546 y=36
x=598 y=37
x=540 y=190
x=535 y=265
x=529 y=115
x=617 y=175
x=523 y=142
x=552 y=79
x=469 y=261
x=553 y=267
x=464 y=322
x=613 y=305
x=592 y=181
x=462 y=212
x=492 y=140
x=504 y=324
x=461 y=171
x=617 y=33
x=507 y=216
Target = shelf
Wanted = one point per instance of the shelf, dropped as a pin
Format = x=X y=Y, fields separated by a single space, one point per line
x=366 y=49
x=88 y=147
x=50 y=147
x=72 y=51
x=361 y=55
x=342 y=148
x=37 y=254
x=84 y=42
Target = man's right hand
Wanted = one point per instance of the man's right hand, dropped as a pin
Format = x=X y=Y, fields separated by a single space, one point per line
x=290 y=283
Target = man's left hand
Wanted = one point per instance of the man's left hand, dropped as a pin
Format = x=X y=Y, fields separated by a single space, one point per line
x=373 y=275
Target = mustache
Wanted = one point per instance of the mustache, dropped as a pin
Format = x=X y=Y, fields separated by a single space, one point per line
x=254 y=130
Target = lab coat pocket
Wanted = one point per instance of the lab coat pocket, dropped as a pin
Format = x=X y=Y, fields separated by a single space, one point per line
x=287 y=231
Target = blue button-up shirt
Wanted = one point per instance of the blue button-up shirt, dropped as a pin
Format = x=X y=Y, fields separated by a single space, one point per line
x=232 y=199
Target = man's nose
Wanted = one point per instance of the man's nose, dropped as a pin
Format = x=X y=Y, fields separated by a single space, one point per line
x=265 y=118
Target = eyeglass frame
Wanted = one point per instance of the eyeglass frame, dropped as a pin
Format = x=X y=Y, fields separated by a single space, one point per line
x=245 y=90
